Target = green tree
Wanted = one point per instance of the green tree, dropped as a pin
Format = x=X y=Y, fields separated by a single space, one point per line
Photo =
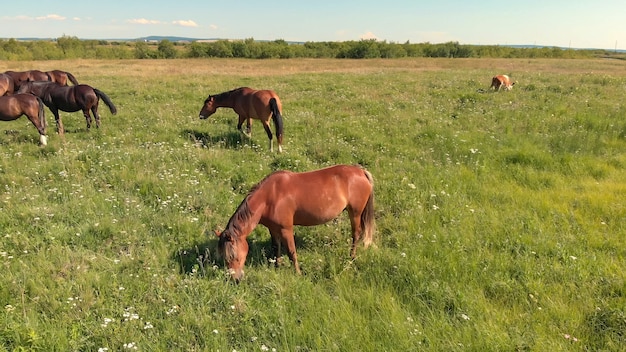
x=220 y=48
x=142 y=51
x=71 y=46
x=166 y=49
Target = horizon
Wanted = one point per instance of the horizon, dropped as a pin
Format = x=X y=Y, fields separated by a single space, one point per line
x=191 y=39
x=559 y=23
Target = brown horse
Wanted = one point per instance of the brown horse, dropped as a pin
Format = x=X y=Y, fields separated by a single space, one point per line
x=7 y=84
x=61 y=77
x=249 y=104
x=69 y=99
x=14 y=106
x=20 y=77
x=284 y=199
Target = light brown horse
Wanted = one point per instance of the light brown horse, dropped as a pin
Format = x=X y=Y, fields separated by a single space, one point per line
x=20 y=77
x=284 y=199
x=501 y=81
x=69 y=99
x=250 y=104
x=61 y=77
x=14 y=106
x=7 y=84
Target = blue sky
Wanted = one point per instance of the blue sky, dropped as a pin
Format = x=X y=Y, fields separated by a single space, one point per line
x=567 y=23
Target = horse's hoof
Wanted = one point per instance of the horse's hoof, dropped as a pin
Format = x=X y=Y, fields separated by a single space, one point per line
x=43 y=140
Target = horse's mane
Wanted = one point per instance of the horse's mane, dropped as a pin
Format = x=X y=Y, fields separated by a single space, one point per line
x=228 y=94
x=243 y=212
x=234 y=227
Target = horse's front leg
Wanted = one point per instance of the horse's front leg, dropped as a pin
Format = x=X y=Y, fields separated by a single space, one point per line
x=276 y=250
x=57 y=119
x=248 y=131
x=285 y=236
x=290 y=241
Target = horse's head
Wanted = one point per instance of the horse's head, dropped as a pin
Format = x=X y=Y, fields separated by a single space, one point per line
x=208 y=108
x=234 y=250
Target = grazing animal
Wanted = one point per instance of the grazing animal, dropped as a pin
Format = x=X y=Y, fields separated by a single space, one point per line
x=500 y=81
x=14 y=106
x=20 y=77
x=7 y=84
x=61 y=77
x=284 y=199
x=249 y=104
x=69 y=99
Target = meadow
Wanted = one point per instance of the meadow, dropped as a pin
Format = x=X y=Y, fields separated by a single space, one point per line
x=501 y=217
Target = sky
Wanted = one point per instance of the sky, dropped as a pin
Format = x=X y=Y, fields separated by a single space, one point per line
x=565 y=23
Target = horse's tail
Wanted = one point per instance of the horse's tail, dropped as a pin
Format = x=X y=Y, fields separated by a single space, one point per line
x=72 y=78
x=367 y=216
x=106 y=100
x=278 y=120
x=42 y=115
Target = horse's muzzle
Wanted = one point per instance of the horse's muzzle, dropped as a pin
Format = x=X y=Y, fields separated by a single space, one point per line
x=202 y=117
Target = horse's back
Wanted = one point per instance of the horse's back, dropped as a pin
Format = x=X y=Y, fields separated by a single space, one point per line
x=256 y=102
x=13 y=106
x=315 y=197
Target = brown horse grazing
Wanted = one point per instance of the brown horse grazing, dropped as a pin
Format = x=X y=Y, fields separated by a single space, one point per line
x=20 y=77
x=14 y=106
x=284 y=199
x=7 y=84
x=69 y=99
x=250 y=104
x=61 y=77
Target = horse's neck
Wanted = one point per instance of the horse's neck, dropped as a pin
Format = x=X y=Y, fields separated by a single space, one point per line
x=225 y=100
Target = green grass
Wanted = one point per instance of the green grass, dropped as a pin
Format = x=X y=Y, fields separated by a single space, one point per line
x=501 y=216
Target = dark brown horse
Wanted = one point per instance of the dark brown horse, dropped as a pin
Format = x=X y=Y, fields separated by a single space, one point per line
x=7 y=84
x=69 y=99
x=61 y=77
x=284 y=199
x=249 y=104
x=14 y=106
x=20 y=77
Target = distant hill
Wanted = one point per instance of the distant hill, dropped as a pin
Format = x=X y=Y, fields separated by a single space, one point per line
x=157 y=38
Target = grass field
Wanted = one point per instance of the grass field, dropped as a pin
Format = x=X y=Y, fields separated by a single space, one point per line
x=501 y=217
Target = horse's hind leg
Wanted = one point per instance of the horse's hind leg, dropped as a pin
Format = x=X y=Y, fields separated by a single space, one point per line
x=357 y=230
x=87 y=118
x=94 y=110
x=268 y=130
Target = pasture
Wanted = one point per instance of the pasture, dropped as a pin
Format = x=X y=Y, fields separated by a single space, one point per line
x=501 y=217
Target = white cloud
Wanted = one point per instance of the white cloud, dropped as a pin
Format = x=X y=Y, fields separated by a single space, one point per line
x=184 y=23
x=369 y=35
x=76 y=18
x=143 y=21
x=51 y=17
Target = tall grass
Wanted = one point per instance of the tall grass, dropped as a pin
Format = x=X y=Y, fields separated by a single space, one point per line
x=500 y=215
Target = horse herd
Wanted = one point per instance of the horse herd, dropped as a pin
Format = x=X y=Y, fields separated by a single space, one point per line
x=280 y=201
x=26 y=92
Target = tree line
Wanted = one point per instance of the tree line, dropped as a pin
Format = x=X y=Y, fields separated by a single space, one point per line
x=67 y=47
